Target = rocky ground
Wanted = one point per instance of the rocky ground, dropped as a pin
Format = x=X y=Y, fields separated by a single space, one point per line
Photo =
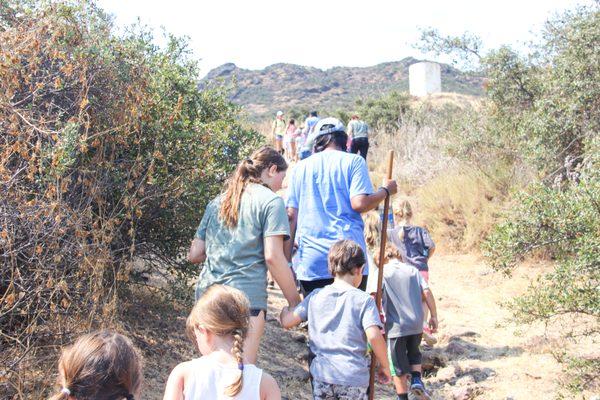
x=481 y=354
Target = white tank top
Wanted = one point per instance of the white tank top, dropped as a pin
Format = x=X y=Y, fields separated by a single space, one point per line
x=210 y=378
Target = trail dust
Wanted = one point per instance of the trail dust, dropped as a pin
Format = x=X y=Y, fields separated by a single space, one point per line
x=480 y=353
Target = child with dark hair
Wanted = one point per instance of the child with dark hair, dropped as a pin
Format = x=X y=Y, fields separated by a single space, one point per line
x=102 y=365
x=342 y=320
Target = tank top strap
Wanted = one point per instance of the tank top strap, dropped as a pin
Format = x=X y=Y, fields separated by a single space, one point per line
x=252 y=379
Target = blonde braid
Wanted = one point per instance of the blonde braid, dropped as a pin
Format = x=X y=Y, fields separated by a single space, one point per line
x=237 y=351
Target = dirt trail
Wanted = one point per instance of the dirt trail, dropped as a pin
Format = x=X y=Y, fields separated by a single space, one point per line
x=486 y=357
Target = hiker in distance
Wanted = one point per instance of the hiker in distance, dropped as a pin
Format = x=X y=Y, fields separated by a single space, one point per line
x=308 y=134
x=358 y=131
x=242 y=234
x=327 y=193
x=278 y=131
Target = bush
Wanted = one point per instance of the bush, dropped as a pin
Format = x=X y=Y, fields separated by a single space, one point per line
x=109 y=154
x=543 y=115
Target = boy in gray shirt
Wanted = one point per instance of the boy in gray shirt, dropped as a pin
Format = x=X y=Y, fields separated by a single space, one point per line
x=342 y=320
x=404 y=289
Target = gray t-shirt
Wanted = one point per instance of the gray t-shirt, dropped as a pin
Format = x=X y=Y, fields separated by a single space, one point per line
x=236 y=257
x=415 y=247
x=338 y=316
x=358 y=129
x=403 y=288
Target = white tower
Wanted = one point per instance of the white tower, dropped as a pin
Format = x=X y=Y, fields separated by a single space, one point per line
x=424 y=78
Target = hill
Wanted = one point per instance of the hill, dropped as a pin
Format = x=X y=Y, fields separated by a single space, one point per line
x=285 y=86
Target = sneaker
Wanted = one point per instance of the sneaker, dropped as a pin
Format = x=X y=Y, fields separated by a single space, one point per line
x=429 y=339
x=417 y=389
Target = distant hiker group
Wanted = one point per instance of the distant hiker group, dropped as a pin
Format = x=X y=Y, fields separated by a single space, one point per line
x=322 y=255
x=296 y=142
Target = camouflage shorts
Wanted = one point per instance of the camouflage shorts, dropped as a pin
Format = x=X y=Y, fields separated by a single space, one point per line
x=330 y=391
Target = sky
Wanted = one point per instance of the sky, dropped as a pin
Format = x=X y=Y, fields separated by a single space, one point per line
x=326 y=33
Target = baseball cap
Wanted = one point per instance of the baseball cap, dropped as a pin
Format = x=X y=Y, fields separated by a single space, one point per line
x=328 y=125
x=279 y=113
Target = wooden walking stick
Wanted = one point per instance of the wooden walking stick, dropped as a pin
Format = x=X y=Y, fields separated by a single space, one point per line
x=384 y=223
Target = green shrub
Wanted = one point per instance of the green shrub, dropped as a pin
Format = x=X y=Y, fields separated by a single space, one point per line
x=109 y=154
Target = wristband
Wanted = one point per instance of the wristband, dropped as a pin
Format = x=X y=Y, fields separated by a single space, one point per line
x=387 y=192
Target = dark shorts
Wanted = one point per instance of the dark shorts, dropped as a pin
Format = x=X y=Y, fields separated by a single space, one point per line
x=308 y=286
x=403 y=352
x=255 y=312
x=360 y=146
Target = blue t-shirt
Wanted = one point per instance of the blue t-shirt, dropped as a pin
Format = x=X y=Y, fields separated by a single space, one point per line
x=321 y=187
x=338 y=316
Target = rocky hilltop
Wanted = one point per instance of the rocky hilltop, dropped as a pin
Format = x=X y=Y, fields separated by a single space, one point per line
x=285 y=86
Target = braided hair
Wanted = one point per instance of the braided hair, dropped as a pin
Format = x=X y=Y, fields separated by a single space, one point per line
x=224 y=311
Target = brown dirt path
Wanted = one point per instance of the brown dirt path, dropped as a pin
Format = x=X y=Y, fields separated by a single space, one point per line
x=487 y=356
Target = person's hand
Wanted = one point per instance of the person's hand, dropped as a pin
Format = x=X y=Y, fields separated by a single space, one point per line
x=433 y=324
x=383 y=375
x=284 y=310
x=391 y=185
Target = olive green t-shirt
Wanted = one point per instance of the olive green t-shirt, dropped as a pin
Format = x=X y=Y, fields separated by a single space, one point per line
x=236 y=256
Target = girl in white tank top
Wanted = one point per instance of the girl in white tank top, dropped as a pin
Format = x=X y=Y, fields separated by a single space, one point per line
x=218 y=324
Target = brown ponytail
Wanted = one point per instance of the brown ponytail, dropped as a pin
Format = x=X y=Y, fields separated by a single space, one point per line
x=225 y=311
x=102 y=365
x=247 y=171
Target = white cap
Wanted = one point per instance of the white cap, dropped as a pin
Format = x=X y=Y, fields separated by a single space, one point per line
x=279 y=113
x=328 y=125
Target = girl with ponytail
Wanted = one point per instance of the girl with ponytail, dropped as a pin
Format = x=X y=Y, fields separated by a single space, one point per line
x=242 y=235
x=218 y=326
x=103 y=365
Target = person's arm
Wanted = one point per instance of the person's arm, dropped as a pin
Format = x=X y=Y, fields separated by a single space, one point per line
x=289 y=244
x=288 y=318
x=278 y=266
x=430 y=301
x=197 y=253
x=431 y=251
x=377 y=343
x=175 y=383
x=366 y=202
x=269 y=390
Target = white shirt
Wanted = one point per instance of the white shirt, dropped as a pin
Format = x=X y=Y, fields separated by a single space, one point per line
x=210 y=378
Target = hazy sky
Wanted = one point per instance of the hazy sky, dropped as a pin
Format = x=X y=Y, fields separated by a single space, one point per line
x=327 y=33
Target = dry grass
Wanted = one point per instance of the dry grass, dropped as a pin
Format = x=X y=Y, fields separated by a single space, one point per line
x=459 y=207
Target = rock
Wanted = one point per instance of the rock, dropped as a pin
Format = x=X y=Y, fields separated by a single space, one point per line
x=298 y=337
x=466 y=380
x=433 y=358
x=448 y=373
x=456 y=349
x=462 y=392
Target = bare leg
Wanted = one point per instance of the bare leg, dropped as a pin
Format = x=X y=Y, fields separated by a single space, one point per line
x=401 y=384
x=255 y=332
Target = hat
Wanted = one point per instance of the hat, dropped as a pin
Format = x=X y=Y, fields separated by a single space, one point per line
x=328 y=125
x=279 y=113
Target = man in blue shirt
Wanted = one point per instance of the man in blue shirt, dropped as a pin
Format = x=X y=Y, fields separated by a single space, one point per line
x=326 y=195
x=308 y=132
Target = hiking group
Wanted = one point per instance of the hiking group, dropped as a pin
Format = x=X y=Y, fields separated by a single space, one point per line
x=314 y=244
